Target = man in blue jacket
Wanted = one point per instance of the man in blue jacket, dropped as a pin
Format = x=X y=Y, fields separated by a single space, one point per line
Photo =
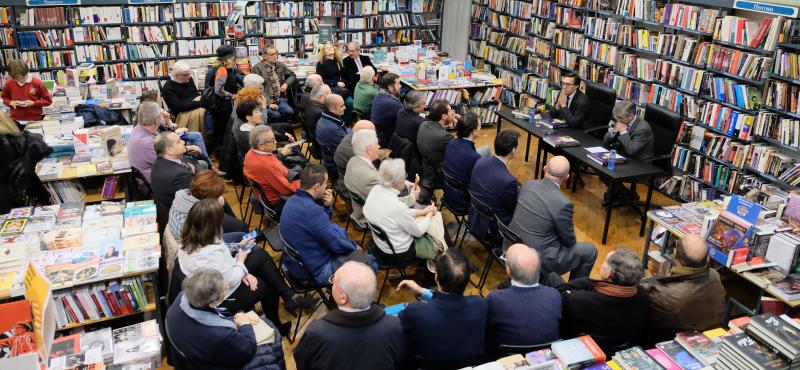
x=494 y=183
x=460 y=157
x=305 y=224
x=331 y=129
x=385 y=107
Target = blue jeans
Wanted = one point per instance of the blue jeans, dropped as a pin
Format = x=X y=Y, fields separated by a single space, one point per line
x=195 y=138
x=283 y=113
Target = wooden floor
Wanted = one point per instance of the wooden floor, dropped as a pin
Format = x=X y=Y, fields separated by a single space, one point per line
x=588 y=219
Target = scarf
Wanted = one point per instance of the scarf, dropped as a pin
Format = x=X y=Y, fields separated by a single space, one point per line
x=615 y=290
x=274 y=81
x=204 y=317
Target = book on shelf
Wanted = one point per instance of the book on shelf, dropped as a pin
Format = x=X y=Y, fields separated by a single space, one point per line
x=783 y=250
x=730 y=237
x=750 y=33
x=100 y=300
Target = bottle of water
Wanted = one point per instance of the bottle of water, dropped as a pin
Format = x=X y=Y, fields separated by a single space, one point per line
x=612 y=158
x=531 y=119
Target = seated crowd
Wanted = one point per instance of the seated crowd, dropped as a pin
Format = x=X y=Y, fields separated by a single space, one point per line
x=216 y=275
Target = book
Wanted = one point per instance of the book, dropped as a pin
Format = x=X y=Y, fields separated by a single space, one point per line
x=16 y=329
x=137 y=342
x=13 y=226
x=65 y=238
x=677 y=353
x=603 y=157
x=752 y=353
x=99 y=340
x=553 y=123
x=778 y=334
x=662 y=359
x=728 y=234
x=788 y=288
x=559 y=141
x=783 y=249
x=636 y=358
x=700 y=346
x=578 y=352
x=111 y=140
x=65 y=346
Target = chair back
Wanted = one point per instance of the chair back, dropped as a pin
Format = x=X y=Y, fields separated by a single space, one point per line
x=665 y=125
x=510 y=349
x=357 y=198
x=289 y=250
x=460 y=188
x=381 y=235
x=509 y=236
x=261 y=197
x=141 y=188
x=601 y=102
x=487 y=212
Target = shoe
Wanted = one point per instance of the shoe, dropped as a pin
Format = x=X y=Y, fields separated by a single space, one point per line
x=300 y=302
x=284 y=328
x=218 y=172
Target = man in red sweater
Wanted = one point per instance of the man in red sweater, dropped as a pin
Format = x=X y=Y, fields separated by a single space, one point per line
x=25 y=94
x=262 y=166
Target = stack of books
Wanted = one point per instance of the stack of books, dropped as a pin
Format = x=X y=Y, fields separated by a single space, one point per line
x=740 y=351
x=779 y=333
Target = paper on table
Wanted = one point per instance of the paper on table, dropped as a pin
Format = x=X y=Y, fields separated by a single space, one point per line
x=596 y=149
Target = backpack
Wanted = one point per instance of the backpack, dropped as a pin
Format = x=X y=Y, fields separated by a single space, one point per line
x=95 y=115
x=208 y=99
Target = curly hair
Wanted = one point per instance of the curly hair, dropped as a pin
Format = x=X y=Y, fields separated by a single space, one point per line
x=247 y=94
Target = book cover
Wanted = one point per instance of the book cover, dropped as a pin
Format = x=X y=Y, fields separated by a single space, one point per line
x=663 y=359
x=16 y=329
x=755 y=352
x=777 y=329
x=560 y=141
x=636 y=358
x=22 y=212
x=728 y=233
x=40 y=223
x=65 y=346
x=65 y=238
x=111 y=140
x=13 y=226
x=603 y=158
x=788 y=288
x=791 y=213
x=700 y=346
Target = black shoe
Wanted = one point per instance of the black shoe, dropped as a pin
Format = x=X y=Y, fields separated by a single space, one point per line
x=284 y=328
x=300 y=302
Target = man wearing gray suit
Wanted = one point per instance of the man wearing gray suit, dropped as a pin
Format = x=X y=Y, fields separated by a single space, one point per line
x=361 y=175
x=633 y=137
x=543 y=219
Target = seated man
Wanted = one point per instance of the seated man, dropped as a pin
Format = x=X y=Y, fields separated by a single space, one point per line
x=447 y=326
x=675 y=299
x=357 y=335
x=365 y=92
x=572 y=105
x=331 y=129
x=460 y=157
x=277 y=80
x=344 y=152
x=170 y=173
x=543 y=219
x=385 y=107
x=526 y=313
x=632 y=137
x=407 y=126
x=306 y=224
x=262 y=166
x=432 y=140
x=183 y=99
x=315 y=107
x=613 y=310
x=495 y=186
x=353 y=64
x=312 y=80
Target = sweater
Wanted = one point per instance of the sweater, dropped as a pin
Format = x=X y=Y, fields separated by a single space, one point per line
x=181 y=205
x=141 y=150
x=266 y=170
x=33 y=90
x=384 y=115
x=180 y=97
x=217 y=256
x=331 y=72
x=383 y=208
x=523 y=315
x=363 y=96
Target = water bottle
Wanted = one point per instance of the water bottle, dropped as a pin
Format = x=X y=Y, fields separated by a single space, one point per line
x=612 y=158
x=531 y=120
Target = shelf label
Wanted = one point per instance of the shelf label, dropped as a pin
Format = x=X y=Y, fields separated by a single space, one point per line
x=773 y=9
x=52 y=2
x=146 y=2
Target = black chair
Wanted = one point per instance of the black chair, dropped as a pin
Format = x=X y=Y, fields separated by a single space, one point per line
x=140 y=189
x=357 y=199
x=509 y=238
x=461 y=189
x=384 y=263
x=302 y=286
x=509 y=349
x=601 y=102
x=491 y=242
x=268 y=213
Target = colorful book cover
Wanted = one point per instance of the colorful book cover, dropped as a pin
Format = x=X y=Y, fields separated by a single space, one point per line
x=699 y=346
x=663 y=359
x=728 y=233
x=13 y=226
x=636 y=358
x=782 y=331
x=755 y=352
x=17 y=335
x=540 y=356
x=22 y=212
x=65 y=346
x=791 y=213
x=560 y=141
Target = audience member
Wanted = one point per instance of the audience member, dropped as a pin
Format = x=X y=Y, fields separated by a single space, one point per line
x=633 y=137
x=357 y=335
x=690 y=298
x=432 y=140
x=353 y=64
x=526 y=313
x=404 y=226
x=263 y=167
x=329 y=66
x=572 y=105
x=447 y=326
x=204 y=185
x=407 y=126
x=330 y=130
x=20 y=150
x=170 y=173
x=495 y=186
x=313 y=111
x=312 y=80
x=305 y=223
x=226 y=79
x=344 y=152
x=460 y=157
x=24 y=93
x=183 y=99
x=277 y=80
x=251 y=117
x=364 y=92
x=385 y=107
x=613 y=310
x=543 y=219
x=141 y=149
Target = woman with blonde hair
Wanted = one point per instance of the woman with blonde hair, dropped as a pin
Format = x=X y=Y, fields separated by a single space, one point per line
x=20 y=151
x=329 y=66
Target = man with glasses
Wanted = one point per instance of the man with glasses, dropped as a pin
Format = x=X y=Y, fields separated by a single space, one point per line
x=633 y=137
x=277 y=80
x=572 y=105
x=352 y=65
x=170 y=173
x=261 y=165
x=183 y=99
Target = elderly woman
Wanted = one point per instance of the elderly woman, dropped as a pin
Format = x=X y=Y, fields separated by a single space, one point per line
x=613 y=309
x=206 y=339
x=406 y=227
x=365 y=92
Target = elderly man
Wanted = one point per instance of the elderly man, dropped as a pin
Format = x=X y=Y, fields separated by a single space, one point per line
x=633 y=137
x=543 y=219
x=314 y=109
x=277 y=80
x=170 y=173
x=613 y=310
x=141 y=151
x=432 y=140
x=344 y=152
x=526 y=313
x=353 y=64
x=365 y=91
x=263 y=167
x=674 y=299
x=331 y=129
x=496 y=186
x=385 y=107
x=183 y=99
x=358 y=334
x=449 y=326
x=312 y=80
x=305 y=223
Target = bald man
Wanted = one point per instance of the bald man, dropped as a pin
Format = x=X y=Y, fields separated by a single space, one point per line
x=357 y=335
x=543 y=219
x=345 y=149
x=331 y=129
x=675 y=299
x=526 y=313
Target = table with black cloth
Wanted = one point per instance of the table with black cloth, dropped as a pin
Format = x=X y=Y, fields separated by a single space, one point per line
x=632 y=170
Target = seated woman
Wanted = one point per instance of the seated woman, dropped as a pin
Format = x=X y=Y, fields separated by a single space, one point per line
x=613 y=309
x=251 y=275
x=329 y=66
x=255 y=92
x=204 y=339
x=406 y=227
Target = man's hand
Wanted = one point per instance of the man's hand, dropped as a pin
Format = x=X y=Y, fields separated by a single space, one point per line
x=289 y=137
x=415 y=191
x=562 y=100
x=250 y=281
x=240 y=318
x=410 y=285
x=285 y=151
x=328 y=197
x=620 y=127
x=340 y=84
x=193 y=148
x=273 y=106
x=283 y=88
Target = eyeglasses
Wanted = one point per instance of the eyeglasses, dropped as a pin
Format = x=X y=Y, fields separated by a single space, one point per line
x=568 y=84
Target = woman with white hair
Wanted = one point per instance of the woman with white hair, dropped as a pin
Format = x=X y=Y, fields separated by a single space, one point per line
x=404 y=226
x=365 y=92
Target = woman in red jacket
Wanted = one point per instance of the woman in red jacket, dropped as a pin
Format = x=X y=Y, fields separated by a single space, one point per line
x=25 y=94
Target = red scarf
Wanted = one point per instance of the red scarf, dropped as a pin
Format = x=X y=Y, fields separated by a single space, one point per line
x=615 y=290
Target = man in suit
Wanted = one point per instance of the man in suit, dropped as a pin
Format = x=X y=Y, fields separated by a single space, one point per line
x=432 y=140
x=385 y=107
x=447 y=326
x=358 y=334
x=633 y=137
x=572 y=105
x=170 y=173
x=407 y=126
x=331 y=129
x=352 y=64
x=460 y=157
x=315 y=107
x=361 y=175
x=527 y=312
x=345 y=149
x=543 y=219
x=495 y=186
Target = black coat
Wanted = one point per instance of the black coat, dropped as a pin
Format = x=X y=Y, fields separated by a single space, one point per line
x=18 y=179
x=180 y=97
x=577 y=114
x=166 y=178
x=331 y=72
x=350 y=70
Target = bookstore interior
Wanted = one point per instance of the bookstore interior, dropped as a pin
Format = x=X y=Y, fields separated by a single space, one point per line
x=396 y=216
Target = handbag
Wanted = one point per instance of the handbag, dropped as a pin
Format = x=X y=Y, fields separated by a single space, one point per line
x=425 y=247
x=208 y=98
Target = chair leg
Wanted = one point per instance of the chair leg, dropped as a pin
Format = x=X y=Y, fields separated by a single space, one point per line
x=293 y=336
x=383 y=285
x=347 y=223
x=363 y=237
x=458 y=231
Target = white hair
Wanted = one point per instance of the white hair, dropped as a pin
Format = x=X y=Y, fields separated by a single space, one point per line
x=359 y=286
x=363 y=140
x=367 y=74
x=354 y=43
x=253 y=80
x=180 y=67
x=392 y=172
x=320 y=90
